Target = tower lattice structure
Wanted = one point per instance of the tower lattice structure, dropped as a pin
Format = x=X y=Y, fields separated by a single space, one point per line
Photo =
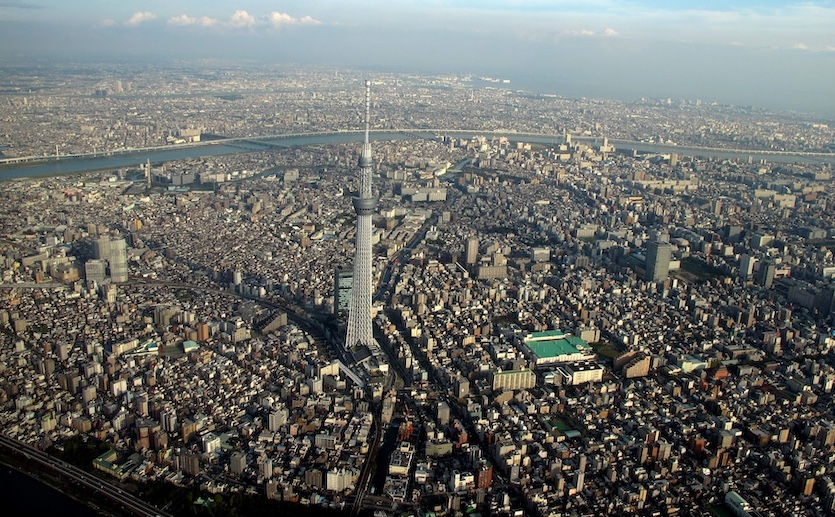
x=359 y=316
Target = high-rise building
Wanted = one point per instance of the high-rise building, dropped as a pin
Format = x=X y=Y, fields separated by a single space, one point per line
x=442 y=410
x=95 y=271
x=203 y=332
x=101 y=248
x=472 y=251
x=277 y=419
x=746 y=266
x=484 y=476
x=359 y=317
x=658 y=261
x=237 y=463
x=118 y=260
x=765 y=275
x=343 y=280
x=266 y=467
x=108 y=293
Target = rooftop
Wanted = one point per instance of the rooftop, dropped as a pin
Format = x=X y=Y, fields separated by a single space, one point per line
x=563 y=345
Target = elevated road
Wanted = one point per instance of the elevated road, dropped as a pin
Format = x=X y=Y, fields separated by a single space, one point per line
x=130 y=504
x=33 y=285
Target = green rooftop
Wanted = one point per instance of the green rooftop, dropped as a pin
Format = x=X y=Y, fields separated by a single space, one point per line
x=554 y=343
x=552 y=348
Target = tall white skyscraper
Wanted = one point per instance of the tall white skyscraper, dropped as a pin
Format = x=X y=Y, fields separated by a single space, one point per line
x=359 y=316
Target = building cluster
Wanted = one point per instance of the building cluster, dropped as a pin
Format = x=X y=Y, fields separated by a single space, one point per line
x=184 y=390
x=576 y=330
x=719 y=375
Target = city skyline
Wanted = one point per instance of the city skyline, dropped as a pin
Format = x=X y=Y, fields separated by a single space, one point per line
x=761 y=53
x=561 y=324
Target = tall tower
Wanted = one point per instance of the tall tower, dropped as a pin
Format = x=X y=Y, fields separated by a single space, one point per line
x=359 y=317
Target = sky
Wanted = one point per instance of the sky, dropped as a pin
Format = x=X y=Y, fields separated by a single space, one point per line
x=774 y=54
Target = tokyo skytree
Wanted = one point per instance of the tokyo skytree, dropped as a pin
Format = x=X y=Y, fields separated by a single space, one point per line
x=359 y=317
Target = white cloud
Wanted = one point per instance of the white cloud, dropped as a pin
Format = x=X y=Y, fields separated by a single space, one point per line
x=611 y=32
x=185 y=20
x=107 y=22
x=205 y=21
x=242 y=19
x=577 y=32
x=182 y=20
x=800 y=46
x=279 y=20
x=140 y=17
x=239 y=20
x=309 y=20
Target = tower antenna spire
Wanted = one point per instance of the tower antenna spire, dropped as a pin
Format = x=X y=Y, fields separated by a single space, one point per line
x=367 y=110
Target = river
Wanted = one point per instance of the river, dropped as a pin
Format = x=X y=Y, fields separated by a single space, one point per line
x=25 y=496
x=134 y=158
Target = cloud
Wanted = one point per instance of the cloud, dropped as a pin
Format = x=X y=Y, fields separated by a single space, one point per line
x=611 y=32
x=242 y=19
x=578 y=32
x=185 y=20
x=182 y=20
x=279 y=20
x=107 y=22
x=205 y=21
x=309 y=20
x=800 y=46
x=140 y=17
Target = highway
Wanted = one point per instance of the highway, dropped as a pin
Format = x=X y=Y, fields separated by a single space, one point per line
x=128 y=502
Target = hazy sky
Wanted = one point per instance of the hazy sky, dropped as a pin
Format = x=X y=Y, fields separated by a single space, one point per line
x=769 y=53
